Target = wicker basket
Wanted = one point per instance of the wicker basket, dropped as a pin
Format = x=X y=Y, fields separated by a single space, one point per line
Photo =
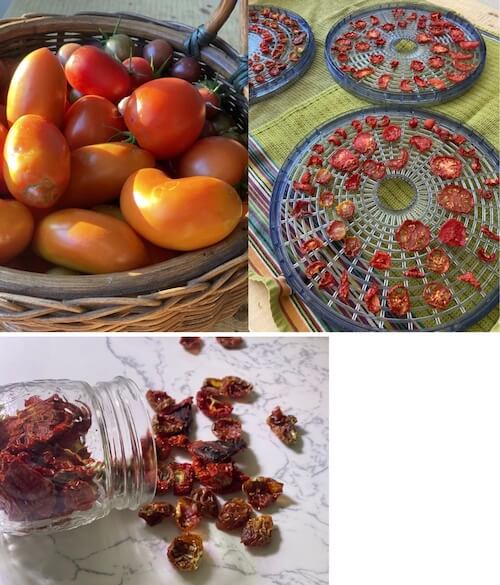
x=191 y=292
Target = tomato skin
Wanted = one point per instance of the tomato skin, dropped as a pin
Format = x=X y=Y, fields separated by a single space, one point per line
x=139 y=70
x=91 y=120
x=98 y=172
x=36 y=163
x=16 y=229
x=166 y=116
x=38 y=86
x=3 y=136
x=215 y=156
x=93 y=72
x=89 y=242
x=180 y=214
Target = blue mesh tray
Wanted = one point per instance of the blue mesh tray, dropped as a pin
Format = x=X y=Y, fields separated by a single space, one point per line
x=375 y=223
x=403 y=39
x=293 y=70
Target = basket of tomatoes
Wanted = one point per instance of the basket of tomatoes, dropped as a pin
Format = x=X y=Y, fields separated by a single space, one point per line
x=123 y=184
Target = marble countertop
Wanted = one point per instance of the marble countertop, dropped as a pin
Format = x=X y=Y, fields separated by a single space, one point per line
x=120 y=549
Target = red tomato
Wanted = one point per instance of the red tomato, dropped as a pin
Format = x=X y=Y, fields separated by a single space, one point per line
x=92 y=120
x=166 y=116
x=38 y=86
x=139 y=70
x=215 y=156
x=3 y=136
x=94 y=72
x=16 y=229
x=36 y=163
x=89 y=242
x=180 y=214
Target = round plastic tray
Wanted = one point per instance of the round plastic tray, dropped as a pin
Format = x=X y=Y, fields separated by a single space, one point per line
x=376 y=220
x=401 y=46
x=291 y=71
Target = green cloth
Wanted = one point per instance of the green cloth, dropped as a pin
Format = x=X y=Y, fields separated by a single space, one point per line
x=284 y=120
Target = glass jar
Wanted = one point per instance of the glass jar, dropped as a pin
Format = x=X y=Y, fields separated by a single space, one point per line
x=71 y=452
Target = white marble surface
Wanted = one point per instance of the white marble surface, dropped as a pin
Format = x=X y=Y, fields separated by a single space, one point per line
x=121 y=549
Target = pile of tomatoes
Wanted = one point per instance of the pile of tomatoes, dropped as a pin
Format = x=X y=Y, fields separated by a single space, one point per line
x=113 y=161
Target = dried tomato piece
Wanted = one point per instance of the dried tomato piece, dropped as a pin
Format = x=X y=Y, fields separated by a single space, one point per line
x=326 y=199
x=364 y=72
x=362 y=46
x=394 y=64
x=484 y=194
x=372 y=299
x=262 y=491
x=352 y=183
x=183 y=478
x=464 y=67
x=399 y=163
x=375 y=170
x=344 y=287
x=310 y=245
x=398 y=300
x=467 y=153
x=414 y=272
x=216 y=451
x=417 y=65
x=234 y=514
x=344 y=160
x=165 y=480
x=187 y=514
x=456 y=199
x=429 y=123
x=346 y=209
x=283 y=426
x=469 y=278
x=485 y=256
x=365 y=143
x=437 y=295
x=257 y=531
x=475 y=165
x=413 y=236
x=177 y=441
x=405 y=85
x=234 y=387
x=391 y=133
x=469 y=45
x=436 y=62
x=453 y=233
x=492 y=182
x=446 y=167
x=326 y=281
x=388 y=26
x=352 y=246
x=163 y=447
x=174 y=420
x=315 y=268
x=336 y=230
x=185 y=552
x=156 y=512
x=215 y=476
x=455 y=76
x=227 y=428
x=439 y=49
x=371 y=121
x=230 y=342
x=437 y=261
x=490 y=234
x=384 y=80
x=384 y=121
x=159 y=400
x=323 y=176
x=421 y=143
x=209 y=402
x=423 y=38
x=207 y=502
x=381 y=260
x=191 y=344
x=300 y=209
x=420 y=81
x=413 y=122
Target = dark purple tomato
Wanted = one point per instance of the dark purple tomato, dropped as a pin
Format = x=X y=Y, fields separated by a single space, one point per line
x=186 y=68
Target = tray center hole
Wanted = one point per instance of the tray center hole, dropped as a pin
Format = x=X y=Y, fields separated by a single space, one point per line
x=396 y=193
x=405 y=46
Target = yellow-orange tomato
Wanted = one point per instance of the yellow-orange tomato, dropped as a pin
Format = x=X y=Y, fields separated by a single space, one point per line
x=89 y=242
x=16 y=229
x=36 y=163
x=215 y=156
x=38 y=86
x=180 y=214
x=98 y=172
x=3 y=136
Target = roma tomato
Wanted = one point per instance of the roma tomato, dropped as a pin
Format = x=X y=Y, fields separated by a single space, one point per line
x=215 y=156
x=16 y=229
x=166 y=116
x=38 y=86
x=98 y=172
x=139 y=70
x=89 y=242
x=180 y=214
x=36 y=163
x=91 y=120
x=93 y=72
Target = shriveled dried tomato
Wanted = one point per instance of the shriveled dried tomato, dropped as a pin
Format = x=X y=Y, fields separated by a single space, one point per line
x=469 y=278
x=437 y=295
x=191 y=344
x=283 y=426
x=456 y=199
x=420 y=81
x=381 y=260
x=412 y=235
x=398 y=300
x=315 y=268
x=166 y=478
x=310 y=245
x=227 y=428
x=323 y=176
x=438 y=261
x=372 y=299
x=352 y=183
x=177 y=441
x=174 y=419
x=185 y=552
x=336 y=230
x=326 y=199
x=371 y=121
x=234 y=514
x=399 y=163
x=234 y=387
x=300 y=209
x=405 y=85
x=187 y=514
x=262 y=491
x=207 y=502
x=469 y=45
x=230 y=342
x=490 y=234
x=257 y=531
x=209 y=402
x=475 y=165
x=215 y=476
x=346 y=209
x=344 y=160
x=384 y=80
x=413 y=122
x=159 y=400
x=485 y=256
x=421 y=143
x=156 y=512
x=352 y=246
x=391 y=133
x=364 y=72
x=414 y=272
x=183 y=478
x=492 y=181
x=446 y=167
x=365 y=143
x=327 y=280
x=163 y=447
x=485 y=194
x=453 y=233
x=343 y=293
x=216 y=451
x=417 y=65
x=375 y=170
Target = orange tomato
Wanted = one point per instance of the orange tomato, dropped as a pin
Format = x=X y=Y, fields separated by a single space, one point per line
x=36 y=163
x=180 y=214
x=89 y=242
x=38 y=86
x=91 y=120
x=3 y=136
x=98 y=172
x=215 y=156
x=16 y=229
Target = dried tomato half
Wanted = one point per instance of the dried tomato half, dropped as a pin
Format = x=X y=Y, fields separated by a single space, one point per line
x=156 y=512
x=375 y=170
x=210 y=404
x=414 y=272
x=344 y=160
x=372 y=299
x=456 y=199
x=453 y=233
x=326 y=199
x=436 y=62
x=234 y=387
x=485 y=256
x=413 y=236
x=183 y=478
x=283 y=426
x=352 y=246
x=257 y=531
x=300 y=209
x=421 y=143
x=490 y=234
x=469 y=45
x=381 y=260
x=207 y=502
x=187 y=514
x=384 y=80
x=417 y=66
x=352 y=183
x=323 y=176
x=336 y=230
x=437 y=261
x=364 y=142
x=230 y=342
x=216 y=451
x=174 y=420
x=364 y=72
x=227 y=428
x=191 y=344
x=446 y=167
x=215 y=476
x=185 y=552
x=159 y=400
x=437 y=295
x=399 y=163
x=346 y=209
x=262 y=491
x=234 y=514
x=398 y=300
x=391 y=133
x=166 y=478
x=469 y=278
x=310 y=245
x=343 y=293
x=405 y=85
x=315 y=268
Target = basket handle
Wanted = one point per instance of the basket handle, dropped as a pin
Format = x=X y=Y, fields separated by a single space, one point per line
x=206 y=33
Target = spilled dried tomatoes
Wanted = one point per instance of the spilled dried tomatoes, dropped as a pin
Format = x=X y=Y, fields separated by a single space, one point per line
x=187 y=514
x=209 y=402
x=159 y=400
